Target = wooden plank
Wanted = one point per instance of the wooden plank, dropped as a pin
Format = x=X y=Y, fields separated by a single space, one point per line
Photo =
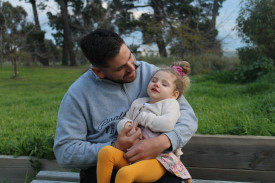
x=214 y=181
x=232 y=174
x=15 y=170
x=58 y=176
x=230 y=152
x=50 y=181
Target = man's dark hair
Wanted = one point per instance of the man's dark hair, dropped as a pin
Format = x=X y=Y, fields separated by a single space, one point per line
x=100 y=46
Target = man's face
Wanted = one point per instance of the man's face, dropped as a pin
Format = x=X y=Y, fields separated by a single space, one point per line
x=121 y=68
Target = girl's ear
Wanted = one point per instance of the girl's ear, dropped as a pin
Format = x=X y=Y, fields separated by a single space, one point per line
x=176 y=94
x=98 y=72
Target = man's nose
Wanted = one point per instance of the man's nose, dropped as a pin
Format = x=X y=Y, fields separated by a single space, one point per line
x=130 y=67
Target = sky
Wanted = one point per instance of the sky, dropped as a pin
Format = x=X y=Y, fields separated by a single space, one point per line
x=226 y=22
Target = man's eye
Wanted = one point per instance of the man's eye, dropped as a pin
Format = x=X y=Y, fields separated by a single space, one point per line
x=119 y=69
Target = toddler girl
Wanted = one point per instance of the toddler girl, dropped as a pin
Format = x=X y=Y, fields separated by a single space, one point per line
x=156 y=114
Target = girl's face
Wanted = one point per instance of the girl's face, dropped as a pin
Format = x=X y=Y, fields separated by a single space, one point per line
x=162 y=86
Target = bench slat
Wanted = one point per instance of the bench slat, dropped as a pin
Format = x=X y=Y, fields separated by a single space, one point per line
x=58 y=176
x=71 y=177
x=50 y=181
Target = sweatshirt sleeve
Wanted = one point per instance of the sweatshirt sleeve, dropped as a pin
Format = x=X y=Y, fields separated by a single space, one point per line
x=71 y=148
x=185 y=127
x=164 y=122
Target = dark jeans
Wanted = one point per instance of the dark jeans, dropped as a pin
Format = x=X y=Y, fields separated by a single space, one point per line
x=89 y=176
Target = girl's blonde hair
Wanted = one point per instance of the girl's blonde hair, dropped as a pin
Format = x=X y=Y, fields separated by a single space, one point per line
x=181 y=70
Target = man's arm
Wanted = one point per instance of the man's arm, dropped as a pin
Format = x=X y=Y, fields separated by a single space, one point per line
x=71 y=148
x=186 y=126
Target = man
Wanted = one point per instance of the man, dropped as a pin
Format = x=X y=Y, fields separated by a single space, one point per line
x=93 y=105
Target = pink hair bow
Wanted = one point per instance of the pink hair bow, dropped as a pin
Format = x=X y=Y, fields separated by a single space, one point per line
x=179 y=70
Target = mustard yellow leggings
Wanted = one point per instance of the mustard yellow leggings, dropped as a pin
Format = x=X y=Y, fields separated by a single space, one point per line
x=141 y=171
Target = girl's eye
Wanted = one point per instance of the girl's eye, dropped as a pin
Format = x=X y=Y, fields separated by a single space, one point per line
x=154 y=80
x=165 y=84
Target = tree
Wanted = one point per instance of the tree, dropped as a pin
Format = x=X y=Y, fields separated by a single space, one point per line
x=185 y=30
x=38 y=37
x=163 y=21
x=2 y=29
x=53 y=51
x=179 y=24
x=209 y=13
x=85 y=16
x=153 y=28
x=68 y=42
x=256 y=27
x=13 y=38
x=182 y=25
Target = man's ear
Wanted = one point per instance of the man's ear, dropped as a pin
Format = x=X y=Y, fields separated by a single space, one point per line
x=98 y=72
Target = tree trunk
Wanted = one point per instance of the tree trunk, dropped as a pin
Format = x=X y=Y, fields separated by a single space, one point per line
x=14 y=64
x=157 y=15
x=42 y=53
x=1 y=33
x=65 y=54
x=212 y=34
x=162 y=49
x=67 y=33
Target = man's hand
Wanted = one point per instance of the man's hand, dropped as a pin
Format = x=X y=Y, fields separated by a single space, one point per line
x=125 y=140
x=147 y=149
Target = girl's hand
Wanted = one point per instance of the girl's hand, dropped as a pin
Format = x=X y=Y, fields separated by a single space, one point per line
x=133 y=130
x=125 y=140
x=129 y=125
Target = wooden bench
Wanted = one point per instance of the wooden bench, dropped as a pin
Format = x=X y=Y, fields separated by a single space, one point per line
x=207 y=157
x=71 y=177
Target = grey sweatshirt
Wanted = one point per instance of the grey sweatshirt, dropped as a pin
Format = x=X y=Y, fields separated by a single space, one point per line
x=92 y=107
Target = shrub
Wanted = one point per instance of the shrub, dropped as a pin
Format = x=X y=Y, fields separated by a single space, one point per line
x=200 y=64
x=250 y=73
x=248 y=55
x=221 y=76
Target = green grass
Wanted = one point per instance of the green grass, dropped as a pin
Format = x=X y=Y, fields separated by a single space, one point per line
x=236 y=109
x=29 y=106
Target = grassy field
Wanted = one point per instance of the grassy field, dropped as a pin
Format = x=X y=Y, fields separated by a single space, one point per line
x=235 y=109
x=29 y=106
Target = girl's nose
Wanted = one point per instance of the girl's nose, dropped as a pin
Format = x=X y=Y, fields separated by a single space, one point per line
x=156 y=84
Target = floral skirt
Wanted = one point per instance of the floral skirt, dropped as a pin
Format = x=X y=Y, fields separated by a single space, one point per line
x=173 y=164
